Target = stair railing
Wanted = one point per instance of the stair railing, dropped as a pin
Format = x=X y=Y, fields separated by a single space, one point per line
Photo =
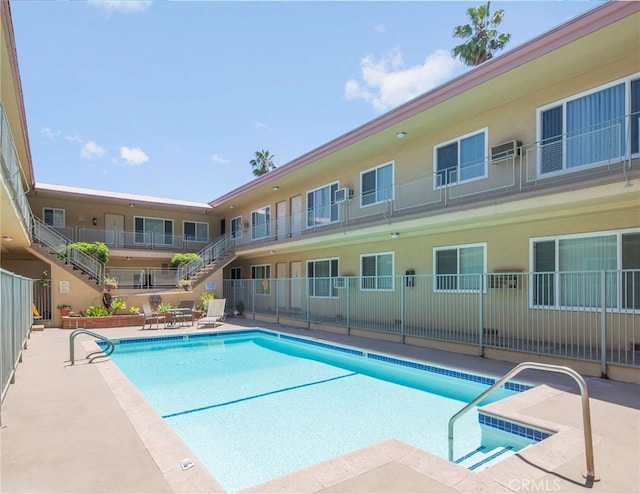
x=47 y=236
x=205 y=257
x=584 y=393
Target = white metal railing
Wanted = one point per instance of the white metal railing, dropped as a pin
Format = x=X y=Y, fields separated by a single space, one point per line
x=143 y=277
x=53 y=240
x=582 y=152
x=12 y=171
x=205 y=257
x=490 y=310
x=16 y=317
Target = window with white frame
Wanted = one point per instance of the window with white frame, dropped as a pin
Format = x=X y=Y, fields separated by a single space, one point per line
x=459 y=267
x=236 y=227
x=153 y=231
x=376 y=271
x=261 y=223
x=569 y=271
x=321 y=274
x=53 y=216
x=262 y=275
x=461 y=159
x=591 y=128
x=195 y=231
x=377 y=184
x=321 y=206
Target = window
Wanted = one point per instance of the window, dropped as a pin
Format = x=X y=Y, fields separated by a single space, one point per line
x=236 y=227
x=261 y=272
x=321 y=208
x=236 y=273
x=377 y=184
x=589 y=129
x=261 y=223
x=461 y=159
x=376 y=271
x=155 y=231
x=568 y=271
x=321 y=274
x=194 y=231
x=459 y=268
x=53 y=217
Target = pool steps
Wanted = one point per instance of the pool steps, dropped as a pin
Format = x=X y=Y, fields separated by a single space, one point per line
x=482 y=457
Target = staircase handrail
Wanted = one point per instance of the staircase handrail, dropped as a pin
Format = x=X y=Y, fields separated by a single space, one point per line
x=47 y=236
x=205 y=257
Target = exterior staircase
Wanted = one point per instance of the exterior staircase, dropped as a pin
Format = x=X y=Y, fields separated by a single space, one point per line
x=212 y=258
x=48 y=244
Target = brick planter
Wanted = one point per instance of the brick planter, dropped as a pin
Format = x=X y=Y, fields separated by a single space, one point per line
x=102 y=322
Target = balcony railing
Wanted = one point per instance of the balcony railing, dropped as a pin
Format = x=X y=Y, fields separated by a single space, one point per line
x=139 y=278
x=12 y=171
x=117 y=239
x=579 y=156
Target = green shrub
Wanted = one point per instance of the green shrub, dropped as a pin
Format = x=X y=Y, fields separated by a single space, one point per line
x=164 y=307
x=96 y=311
x=96 y=249
x=205 y=298
x=180 y=259
x=134 y=310
x=117 y=304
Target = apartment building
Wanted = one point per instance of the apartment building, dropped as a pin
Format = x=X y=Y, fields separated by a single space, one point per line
x=497 y=212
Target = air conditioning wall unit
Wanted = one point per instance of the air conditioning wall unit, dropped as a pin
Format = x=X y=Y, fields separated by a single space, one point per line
x=342 y=195
x=505 y=151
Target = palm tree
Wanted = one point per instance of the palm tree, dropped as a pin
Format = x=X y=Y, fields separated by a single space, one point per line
x=262 y=162
x=482 y=38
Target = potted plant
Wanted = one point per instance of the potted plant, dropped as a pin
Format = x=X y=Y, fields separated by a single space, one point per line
x=64 y=309
x=110 y=284
x=184 y=284
x=239 y=309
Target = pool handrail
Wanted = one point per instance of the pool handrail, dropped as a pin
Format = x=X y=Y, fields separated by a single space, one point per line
x=93 y=355
x=584 y=393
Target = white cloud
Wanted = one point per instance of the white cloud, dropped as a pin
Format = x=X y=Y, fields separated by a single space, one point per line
x=72 y=138
x=217 y=159
x=92 y=150
x=122 y=7
x=387 y=83
x=133 y=156
x=50 y=134
x=380 y=28
x=262 y=125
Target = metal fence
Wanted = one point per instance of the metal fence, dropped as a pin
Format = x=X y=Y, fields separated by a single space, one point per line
x=143 y=277
x=593 y=317
x=16 y=317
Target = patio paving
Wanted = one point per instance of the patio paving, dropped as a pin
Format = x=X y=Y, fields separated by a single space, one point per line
x=84 y=428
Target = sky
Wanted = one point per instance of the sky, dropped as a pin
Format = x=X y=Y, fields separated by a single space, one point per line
x=172 y=99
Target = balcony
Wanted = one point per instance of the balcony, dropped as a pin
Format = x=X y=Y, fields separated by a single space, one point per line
x=12 y=172
x=116 y=239
x=143 y=278
x=596 y=155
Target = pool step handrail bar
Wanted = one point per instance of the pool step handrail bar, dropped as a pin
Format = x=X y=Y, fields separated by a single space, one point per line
x=584 y=393
x=93 y=355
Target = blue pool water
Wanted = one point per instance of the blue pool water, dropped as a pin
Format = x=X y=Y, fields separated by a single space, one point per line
x=254 y=406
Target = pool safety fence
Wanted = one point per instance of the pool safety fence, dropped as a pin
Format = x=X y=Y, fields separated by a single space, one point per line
x=16 y=318
x=591 y=316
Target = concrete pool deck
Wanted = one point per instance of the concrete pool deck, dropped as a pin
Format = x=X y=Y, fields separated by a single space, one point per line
x=86 y=429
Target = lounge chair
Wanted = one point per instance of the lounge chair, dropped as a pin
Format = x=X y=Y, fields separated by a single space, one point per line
x=187 y=312
x=150 y=316
x=215 y=313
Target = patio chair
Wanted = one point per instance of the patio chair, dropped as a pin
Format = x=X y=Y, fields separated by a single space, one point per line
x=215 y=313
x=186 y=315
x=150 y=316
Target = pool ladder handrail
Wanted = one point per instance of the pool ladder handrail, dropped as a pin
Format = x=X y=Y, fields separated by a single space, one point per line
x=93 y=355
x=584 y=393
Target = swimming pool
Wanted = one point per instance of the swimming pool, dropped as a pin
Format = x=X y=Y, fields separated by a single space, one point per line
x=255 y=405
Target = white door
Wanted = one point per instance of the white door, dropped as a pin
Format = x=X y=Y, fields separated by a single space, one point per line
x=281 y=222
x=296 y=216
x=296 y=285
x=113 y=224
x=282 y=285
